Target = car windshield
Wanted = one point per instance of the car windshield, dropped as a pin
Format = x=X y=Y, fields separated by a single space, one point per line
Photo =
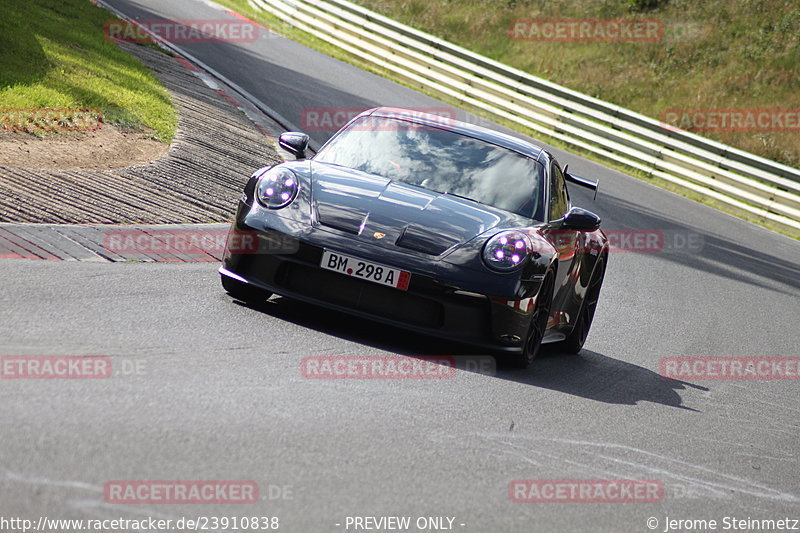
x=439 y=160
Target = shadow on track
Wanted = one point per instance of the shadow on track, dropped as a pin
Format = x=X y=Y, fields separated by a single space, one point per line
x=590 y=375
x=598 y=377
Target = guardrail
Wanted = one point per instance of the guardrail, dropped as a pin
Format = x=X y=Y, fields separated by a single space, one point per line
x=761 y=187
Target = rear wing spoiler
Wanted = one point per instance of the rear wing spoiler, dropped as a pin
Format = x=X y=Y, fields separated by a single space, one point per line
x=583 y=182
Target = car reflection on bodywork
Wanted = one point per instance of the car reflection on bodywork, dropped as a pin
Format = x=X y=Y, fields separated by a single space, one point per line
x=429 y=224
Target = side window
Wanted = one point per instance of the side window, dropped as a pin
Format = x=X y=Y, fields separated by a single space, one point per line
x=559 y=200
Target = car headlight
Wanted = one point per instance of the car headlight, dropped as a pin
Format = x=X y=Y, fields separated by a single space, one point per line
x=507 y=250
x=276 y=188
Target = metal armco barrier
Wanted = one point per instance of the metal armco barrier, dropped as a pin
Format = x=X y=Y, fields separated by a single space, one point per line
x=763 y=188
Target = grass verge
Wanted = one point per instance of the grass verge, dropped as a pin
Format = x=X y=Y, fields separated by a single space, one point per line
x=53 y=54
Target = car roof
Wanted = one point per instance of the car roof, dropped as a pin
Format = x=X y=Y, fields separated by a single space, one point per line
x=470 y=130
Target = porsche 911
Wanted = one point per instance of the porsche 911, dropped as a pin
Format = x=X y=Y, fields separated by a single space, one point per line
x=430 y=224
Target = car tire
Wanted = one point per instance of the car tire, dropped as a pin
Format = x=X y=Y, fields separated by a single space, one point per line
x=536 y=331
x=575 y=340
x=243 y=291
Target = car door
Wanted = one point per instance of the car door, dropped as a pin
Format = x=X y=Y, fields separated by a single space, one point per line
x=565 y=241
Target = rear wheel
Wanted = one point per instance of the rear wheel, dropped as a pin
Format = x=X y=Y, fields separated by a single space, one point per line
x=574 y=342
x=541 y=312
x=243 y=291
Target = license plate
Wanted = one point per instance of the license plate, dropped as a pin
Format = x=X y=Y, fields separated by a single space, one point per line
x=358 y=268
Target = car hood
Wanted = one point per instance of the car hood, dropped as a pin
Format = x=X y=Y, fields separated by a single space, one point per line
x=395 y=214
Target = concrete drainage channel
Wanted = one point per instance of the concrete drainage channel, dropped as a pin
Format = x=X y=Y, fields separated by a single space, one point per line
x=135 y=213
x=167 y=243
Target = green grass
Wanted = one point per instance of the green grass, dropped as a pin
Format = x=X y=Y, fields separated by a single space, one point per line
x=742 y=54
x=53 y=54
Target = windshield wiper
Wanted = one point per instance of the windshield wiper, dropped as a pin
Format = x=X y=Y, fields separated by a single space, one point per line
x=460 y=196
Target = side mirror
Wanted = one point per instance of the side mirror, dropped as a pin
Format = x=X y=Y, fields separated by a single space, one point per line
x=581 y=220
x=295 y=143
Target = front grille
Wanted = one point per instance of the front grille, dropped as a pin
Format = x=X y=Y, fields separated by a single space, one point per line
x=361 y=295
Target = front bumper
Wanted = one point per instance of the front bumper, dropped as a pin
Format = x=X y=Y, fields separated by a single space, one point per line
x=431 y=306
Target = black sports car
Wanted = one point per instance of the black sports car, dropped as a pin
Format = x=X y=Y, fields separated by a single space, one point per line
x=426 y=223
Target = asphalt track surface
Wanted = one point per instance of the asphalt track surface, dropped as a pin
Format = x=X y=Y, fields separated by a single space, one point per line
x=205 y=388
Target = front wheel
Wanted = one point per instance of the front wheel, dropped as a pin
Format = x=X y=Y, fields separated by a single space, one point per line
x=243 y=291
x=574 y=341
x=536 y=331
